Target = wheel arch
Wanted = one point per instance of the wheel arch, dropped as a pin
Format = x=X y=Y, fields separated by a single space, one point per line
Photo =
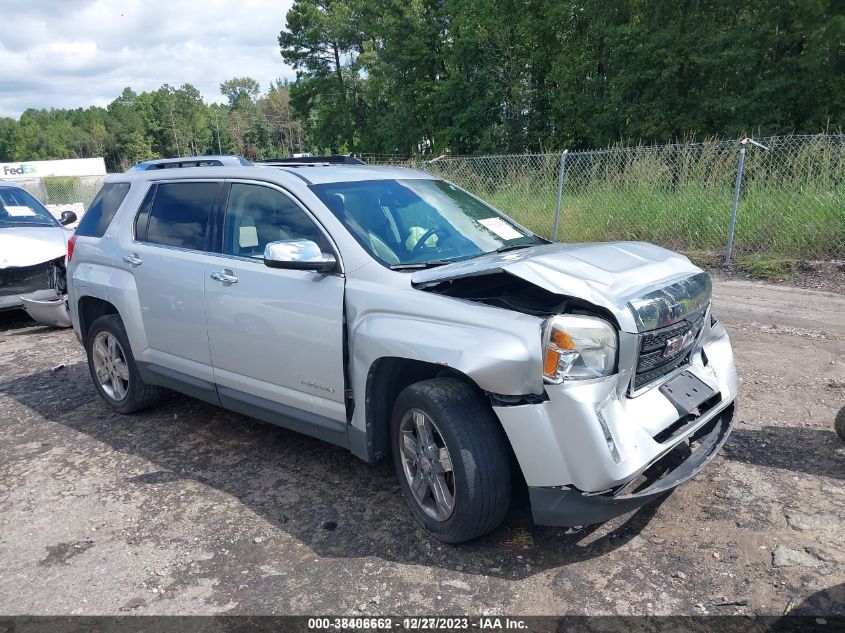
x=103 y=290
x=386 y=378
x=90 y=309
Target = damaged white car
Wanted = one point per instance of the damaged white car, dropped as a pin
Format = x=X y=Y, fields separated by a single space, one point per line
x=33 y=245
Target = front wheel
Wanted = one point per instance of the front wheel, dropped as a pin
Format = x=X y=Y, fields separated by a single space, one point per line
x=113 y=367
x=451 y=459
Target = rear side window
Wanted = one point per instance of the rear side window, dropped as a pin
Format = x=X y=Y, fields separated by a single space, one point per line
x=143 y=217
x=99 y=215
x=179 y=215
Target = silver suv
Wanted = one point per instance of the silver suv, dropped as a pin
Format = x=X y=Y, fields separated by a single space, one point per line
x=396 y=315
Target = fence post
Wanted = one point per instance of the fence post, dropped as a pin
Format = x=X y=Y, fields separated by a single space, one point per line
x=46 y=192
x=560 y=174
x=737 y=185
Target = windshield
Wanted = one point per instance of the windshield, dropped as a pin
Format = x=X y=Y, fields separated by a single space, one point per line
x=20 y=208
x=412 y=223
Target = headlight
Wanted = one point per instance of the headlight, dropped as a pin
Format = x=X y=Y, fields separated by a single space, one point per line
x=577 y=348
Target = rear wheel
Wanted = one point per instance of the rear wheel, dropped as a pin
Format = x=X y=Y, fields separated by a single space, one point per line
x=451 y=459
x=113 y=367
x=839 y=424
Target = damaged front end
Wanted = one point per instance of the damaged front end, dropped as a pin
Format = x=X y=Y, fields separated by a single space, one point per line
x=501 y=289
x=636 y=372
x=40 y=290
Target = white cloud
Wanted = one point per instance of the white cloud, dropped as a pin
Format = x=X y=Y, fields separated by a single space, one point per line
x=71 y=54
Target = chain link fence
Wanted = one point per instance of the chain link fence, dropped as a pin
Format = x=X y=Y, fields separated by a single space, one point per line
x=790 y=194
x=789 y=190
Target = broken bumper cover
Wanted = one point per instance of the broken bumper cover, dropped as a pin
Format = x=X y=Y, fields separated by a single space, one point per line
x=571 y=507
x=39 y=290
x=15 y=282
x=47 y=307
x=592 y=438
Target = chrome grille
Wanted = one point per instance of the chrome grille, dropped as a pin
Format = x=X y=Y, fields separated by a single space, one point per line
x=655 y=359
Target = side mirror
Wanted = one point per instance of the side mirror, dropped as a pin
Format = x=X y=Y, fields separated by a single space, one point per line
x=298 y=255
x=68 y=217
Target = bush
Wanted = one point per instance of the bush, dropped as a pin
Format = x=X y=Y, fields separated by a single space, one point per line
x=62 y=189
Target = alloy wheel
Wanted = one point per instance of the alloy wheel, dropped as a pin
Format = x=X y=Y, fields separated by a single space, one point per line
x=110 y=366
x=427 y=464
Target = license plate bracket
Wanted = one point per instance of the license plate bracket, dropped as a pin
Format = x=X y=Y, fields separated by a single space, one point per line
x=686 y=391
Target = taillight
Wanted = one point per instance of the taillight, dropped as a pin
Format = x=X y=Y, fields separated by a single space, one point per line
x=70 y=244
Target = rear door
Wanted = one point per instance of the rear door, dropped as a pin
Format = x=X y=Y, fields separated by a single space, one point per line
x=168 y=259
x=276 y=336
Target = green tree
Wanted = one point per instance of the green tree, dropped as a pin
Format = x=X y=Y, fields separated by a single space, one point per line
x=473 y=76
x=239 y=90
x=287 y=132
x=322 y=42
x=404 y=63
x=8 y=140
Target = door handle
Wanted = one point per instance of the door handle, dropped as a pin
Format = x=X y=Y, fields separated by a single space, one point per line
x=133 y=260
x=225 y=277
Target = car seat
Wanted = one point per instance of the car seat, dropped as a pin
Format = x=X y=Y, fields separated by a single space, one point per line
x=358 y=222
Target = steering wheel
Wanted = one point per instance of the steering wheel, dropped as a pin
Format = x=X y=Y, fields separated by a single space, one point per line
x=438 y=230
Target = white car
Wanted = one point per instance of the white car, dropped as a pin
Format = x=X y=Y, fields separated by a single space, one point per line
x=33 y=245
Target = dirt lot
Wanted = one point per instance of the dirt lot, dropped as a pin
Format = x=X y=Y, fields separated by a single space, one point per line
x=190 y=509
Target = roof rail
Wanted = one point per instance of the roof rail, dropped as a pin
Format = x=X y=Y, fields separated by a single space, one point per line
x=191 y=161
x=311 y=161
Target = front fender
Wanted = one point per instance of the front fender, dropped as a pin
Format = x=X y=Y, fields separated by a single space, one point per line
x=498 y=349
x=505 y=362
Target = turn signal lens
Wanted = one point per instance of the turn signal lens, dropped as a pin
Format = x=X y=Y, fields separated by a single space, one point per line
x=551 y=362
x=561 y=340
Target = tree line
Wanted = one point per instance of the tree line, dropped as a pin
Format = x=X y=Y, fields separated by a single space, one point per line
x=162 y=123
x=489 y=76
x=421 y=77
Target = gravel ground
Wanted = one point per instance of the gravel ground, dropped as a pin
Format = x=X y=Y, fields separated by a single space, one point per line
x=189 y=509
x=826 y=275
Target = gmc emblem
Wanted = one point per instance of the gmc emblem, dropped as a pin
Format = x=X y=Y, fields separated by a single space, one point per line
x=677 y=344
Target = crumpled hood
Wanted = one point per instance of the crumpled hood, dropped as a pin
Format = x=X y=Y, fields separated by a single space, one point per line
x=31 y=245
x=610 y=275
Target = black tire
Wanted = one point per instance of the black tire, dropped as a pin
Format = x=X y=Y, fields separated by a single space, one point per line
x=138 y=394
x=479 y=458
x=839 y=424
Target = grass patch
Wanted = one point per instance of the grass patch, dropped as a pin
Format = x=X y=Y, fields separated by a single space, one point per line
x=704 y=259
x=792 y=204
x=771 y=267
x=808 y=224
x=62 y=189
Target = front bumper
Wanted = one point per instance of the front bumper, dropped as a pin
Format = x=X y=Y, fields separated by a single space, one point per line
x=17 y=281
x=592 y=438
x=38 y=289
x=47 y=307
x=569 y=507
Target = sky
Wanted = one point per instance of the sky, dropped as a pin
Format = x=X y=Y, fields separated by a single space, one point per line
x=78 y=53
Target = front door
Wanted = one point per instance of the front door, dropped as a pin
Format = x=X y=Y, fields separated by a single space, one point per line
x=276 y=336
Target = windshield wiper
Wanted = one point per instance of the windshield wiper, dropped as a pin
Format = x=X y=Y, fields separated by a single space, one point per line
x=422 y=265
x=24 y=224
x=513 y=247
x=441 y=262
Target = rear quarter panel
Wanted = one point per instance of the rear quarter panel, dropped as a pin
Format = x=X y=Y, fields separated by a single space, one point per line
x=92 y=272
